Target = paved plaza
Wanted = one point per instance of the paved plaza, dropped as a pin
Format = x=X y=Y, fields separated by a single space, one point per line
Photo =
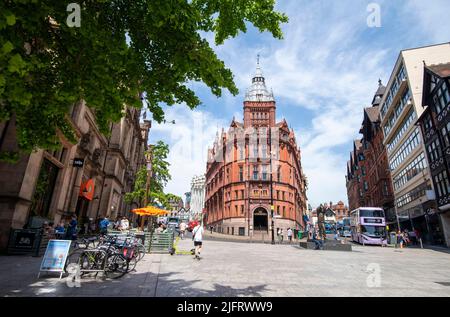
x=246 y=269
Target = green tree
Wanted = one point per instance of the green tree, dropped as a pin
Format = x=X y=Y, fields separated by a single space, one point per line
x=121 y=49
x=159 y=179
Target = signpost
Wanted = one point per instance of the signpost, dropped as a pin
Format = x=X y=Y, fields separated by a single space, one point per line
x=78 y=162
x=55 y=256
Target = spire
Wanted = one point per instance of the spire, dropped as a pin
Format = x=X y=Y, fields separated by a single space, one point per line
x=258 y=90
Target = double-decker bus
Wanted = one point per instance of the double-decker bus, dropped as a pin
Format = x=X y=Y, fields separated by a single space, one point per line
x=368 y=226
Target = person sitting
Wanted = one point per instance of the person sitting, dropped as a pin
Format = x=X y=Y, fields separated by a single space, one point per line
x=60 y=230
x=318 y=242
x=104 y=225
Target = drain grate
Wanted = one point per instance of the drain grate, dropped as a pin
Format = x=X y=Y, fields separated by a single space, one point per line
x=443 y=283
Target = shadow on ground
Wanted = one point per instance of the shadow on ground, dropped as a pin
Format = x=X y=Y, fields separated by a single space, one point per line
x=133 y=284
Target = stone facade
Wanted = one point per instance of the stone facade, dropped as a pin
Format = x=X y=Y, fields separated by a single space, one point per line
x=46 y=185
x=253 y=167
x=198 y=194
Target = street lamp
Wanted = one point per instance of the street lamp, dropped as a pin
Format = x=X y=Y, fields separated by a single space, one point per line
x=272 y=207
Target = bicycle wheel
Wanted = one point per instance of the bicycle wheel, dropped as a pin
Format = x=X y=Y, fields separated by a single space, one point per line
x=132 y=264
x=116 y=266
x=140 y=252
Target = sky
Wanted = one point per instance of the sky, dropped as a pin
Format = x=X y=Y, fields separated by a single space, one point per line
x=323 y=73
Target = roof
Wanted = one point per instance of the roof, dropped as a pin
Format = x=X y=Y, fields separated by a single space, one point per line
x=442 y=70
x=358 y=144
x=258 y=91
x=373 y=113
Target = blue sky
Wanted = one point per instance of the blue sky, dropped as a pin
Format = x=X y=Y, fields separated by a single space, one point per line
x=323 y=73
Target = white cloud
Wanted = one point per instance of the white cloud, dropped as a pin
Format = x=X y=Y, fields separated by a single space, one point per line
x=188 y=141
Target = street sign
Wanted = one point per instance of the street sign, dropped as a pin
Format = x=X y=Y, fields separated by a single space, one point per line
x=55 y=256
x=78 y=162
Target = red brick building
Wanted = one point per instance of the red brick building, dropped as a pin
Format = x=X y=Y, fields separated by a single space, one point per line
x=356 y=176
x=253 y=166
x=369 y=181
x=340 y=210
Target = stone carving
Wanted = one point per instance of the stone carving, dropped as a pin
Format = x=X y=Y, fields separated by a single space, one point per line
x=85 y=140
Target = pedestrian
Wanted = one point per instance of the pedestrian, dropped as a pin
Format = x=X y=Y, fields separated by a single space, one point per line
x=124 y=224
x=336 y=236
x=281 y=236
x=182 y=230
x=71 y=233
x=406 y=237
x=197 y=236
x=400 y=239
x=211 y=228
x=104 y=225
x=289 y=235
x=160 y=228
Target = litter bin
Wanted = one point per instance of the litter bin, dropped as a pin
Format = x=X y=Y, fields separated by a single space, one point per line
x=393 y=238
x=300 y=235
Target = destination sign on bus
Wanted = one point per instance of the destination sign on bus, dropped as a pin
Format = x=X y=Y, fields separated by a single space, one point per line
x=373 y=220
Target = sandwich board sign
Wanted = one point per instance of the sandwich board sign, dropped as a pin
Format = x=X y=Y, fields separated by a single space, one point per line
x=55 y=256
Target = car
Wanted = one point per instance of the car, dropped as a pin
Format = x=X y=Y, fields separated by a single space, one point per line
x=173 y=222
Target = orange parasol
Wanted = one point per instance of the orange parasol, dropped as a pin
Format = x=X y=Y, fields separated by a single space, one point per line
x=150 y=211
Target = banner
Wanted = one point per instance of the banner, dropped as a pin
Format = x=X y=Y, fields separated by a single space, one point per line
x=55 y=256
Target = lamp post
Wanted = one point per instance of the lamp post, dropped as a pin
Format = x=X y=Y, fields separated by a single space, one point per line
x=272 y=207
x=147 y=184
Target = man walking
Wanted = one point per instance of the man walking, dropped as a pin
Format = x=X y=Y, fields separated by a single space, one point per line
x=182 y=230
x=289 y=235
x=197 y=236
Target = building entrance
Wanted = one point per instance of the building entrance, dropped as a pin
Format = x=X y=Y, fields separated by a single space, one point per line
x=260 y=220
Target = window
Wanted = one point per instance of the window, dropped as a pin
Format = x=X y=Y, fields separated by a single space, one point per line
x=363 y=171
x=264 y=172
x=241 y=152
x=408 y=146
x=279 y=174
x=255 y=172
x=442 y=184
x=427 y=123
x=236 y=194
x=366 y=186
x=446 y=135
x=264 y=150
x=283 y=195
x=410 y=171
x=414 y=194
x=434 y=151
x=410 y=118
x=242 y=209
x=284 y=212
x=241 y=173
x=385 y=188
x=441 y=98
